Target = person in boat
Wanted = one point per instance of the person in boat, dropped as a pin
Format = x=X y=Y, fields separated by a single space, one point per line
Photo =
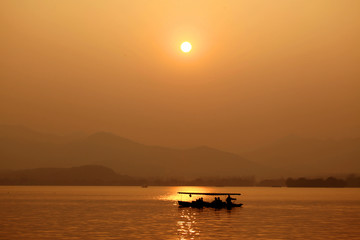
x=229 y=200
x=217 y=201
x=200 y=200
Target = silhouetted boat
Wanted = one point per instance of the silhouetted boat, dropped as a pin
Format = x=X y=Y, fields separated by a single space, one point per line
x=217 y=203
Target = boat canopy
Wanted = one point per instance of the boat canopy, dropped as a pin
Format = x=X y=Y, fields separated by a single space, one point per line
x=211 y=194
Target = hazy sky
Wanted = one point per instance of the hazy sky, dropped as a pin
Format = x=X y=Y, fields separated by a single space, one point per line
x=258 y=70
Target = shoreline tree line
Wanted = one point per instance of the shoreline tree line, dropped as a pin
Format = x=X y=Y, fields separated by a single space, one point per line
x=94 y=175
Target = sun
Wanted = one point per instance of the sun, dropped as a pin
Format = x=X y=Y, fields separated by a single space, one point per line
x=186 y=47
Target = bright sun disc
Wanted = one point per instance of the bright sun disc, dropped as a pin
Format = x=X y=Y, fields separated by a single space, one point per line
x=186 y=47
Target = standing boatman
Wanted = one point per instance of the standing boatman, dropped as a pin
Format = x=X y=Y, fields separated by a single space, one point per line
x=228 y=200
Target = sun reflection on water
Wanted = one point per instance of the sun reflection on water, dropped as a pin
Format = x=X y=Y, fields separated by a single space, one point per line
x=187 y=225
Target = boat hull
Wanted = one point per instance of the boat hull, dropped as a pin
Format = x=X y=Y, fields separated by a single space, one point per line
x=195 y=204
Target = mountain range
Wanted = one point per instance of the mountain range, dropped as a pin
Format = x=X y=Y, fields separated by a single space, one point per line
x=23 y=148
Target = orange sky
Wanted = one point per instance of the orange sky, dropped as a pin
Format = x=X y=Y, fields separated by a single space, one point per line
x=258 y=70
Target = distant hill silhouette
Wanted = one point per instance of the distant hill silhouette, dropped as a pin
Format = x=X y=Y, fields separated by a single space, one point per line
x=96 y=175
x=83 y=175
x=21 y=148
x=304 y=156
x=318 y=182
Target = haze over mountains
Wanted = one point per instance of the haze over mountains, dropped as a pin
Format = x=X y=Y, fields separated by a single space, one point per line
x=310 y=157
x=22 y=148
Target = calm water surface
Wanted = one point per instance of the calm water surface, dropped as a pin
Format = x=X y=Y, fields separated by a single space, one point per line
x=152 y=213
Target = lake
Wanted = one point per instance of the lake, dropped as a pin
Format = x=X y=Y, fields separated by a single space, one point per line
x=67 y=212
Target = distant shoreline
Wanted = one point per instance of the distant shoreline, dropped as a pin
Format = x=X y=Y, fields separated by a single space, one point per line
x=47 y=185
x=97 y=175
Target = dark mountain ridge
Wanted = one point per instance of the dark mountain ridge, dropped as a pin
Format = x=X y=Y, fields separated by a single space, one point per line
x=292 y=156
x=29 y=149
x=83 y=175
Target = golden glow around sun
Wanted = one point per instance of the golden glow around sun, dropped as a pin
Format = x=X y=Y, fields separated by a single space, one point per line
x=186 y=47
